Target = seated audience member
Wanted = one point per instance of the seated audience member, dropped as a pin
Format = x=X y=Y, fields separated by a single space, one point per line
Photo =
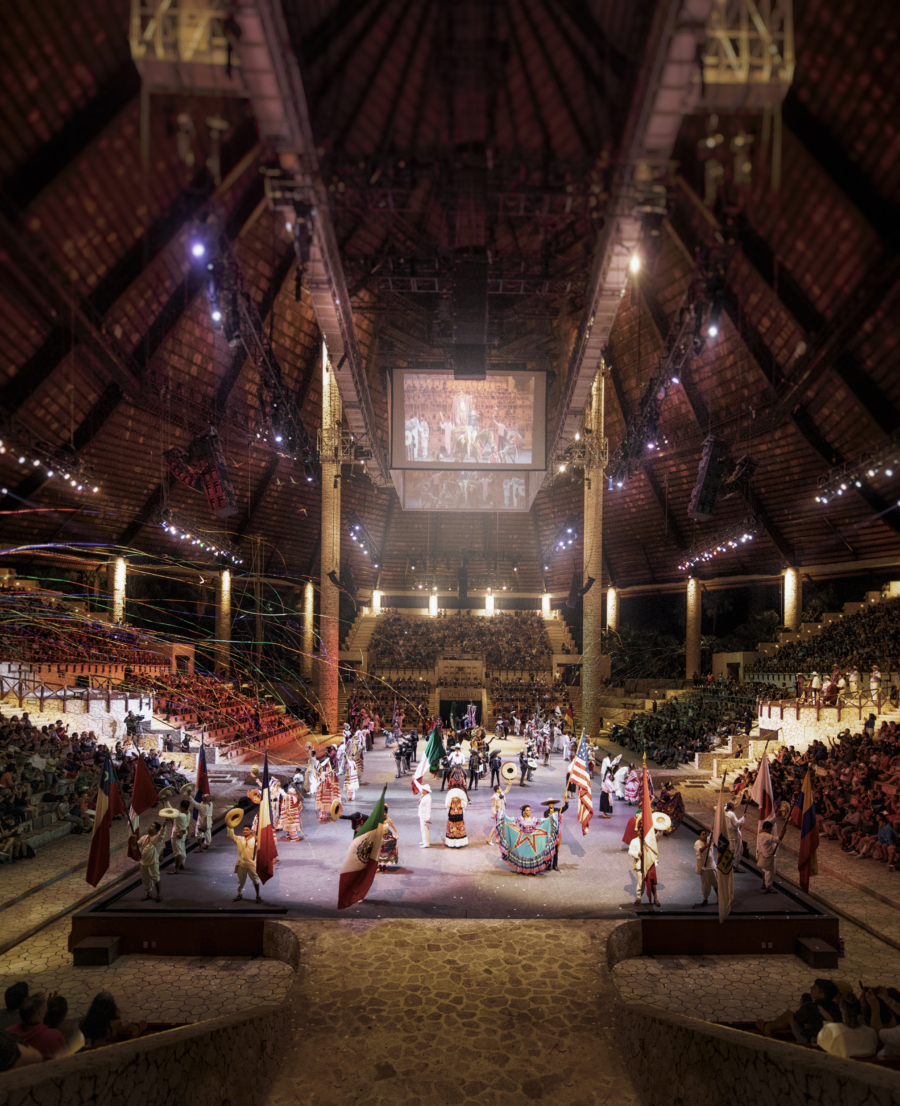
x=102 y=1024
x=57 y=1018
x=14 y=1054
x=32 y=1031
x=815 y=1008
x=13 y=998
x=849 y=1036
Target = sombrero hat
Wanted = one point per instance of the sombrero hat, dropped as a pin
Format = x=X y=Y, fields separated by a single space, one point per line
x=508 y=771
x=254 y=795
x=661 y=822
x=234 y=817
x=168 y=812
x=336 y=807
x=185 y=789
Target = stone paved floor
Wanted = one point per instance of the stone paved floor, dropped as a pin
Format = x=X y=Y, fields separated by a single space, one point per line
x=152 y=988
x=445 y=1013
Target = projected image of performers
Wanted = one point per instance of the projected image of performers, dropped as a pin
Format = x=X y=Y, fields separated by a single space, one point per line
x=464 y=491
x=478 y=421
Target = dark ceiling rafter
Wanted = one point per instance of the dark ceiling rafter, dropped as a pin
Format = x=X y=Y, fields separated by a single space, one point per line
x=834 y=161
x=659 y=495
x=63 y=148
x=320 y=39
x=775 y=374
x=259 y=494
x=151 y=507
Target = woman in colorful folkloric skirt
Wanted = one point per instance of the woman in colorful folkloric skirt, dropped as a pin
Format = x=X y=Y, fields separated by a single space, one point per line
x=456 y=802
x=328 y=790
x=290 y=814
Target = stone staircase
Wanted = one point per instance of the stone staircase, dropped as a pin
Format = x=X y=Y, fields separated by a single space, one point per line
x=558 y=633
x=359 y=636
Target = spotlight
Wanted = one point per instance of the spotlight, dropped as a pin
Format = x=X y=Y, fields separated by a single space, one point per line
x=21 y=460
x=198 y=249
x=712 y=330
x=634 y=263
x=49 y=473
x=651 y=445
x=675 y=380
x=888 y=472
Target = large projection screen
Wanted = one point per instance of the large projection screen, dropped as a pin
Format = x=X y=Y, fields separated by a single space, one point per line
x=440 y=423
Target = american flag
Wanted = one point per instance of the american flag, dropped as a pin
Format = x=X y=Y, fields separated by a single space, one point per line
x=581 y=777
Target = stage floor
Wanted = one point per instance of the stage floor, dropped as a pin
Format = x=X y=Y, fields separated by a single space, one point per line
x=595 y=877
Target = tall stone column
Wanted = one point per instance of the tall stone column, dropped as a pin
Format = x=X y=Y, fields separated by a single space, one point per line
x=793 y=599
x=116 y=582
x=309 y=637
x=223 y=624
x=612 y=609
x=692 y=641
x=330 y=560
x=591 y=670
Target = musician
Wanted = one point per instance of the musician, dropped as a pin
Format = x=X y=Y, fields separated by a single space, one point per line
x=554 y=815
x=150 y=847
x=246 y=861
x=524 y=768
x=400 y=758
x=474 y=766
x=495 y=763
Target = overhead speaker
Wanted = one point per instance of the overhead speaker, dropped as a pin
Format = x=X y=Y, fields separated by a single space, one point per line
x=709 y=481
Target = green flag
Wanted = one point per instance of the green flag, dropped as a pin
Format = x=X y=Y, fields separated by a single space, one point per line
x=435 y=750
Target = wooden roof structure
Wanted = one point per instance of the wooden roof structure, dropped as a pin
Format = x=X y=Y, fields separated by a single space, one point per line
x=110 y=353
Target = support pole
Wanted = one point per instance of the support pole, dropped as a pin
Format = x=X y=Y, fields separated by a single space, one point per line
x=223 y=624
x=793 y=599
x=612 y=608
x=330 y=559
x=593 y=671
x=692 y=641
x=309 y=641
x=116 y=579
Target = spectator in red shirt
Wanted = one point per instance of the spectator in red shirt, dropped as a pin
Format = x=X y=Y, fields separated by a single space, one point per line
x=31 y=1030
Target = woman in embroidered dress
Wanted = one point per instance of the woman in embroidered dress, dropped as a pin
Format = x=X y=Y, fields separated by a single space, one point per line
x=290 y=816
x=390 y=853
x=606 y=790
x=327 y=791
x=633 y=786
x=351 y=780
x=456 y=802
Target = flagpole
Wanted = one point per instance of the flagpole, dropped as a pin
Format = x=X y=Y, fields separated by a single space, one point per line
x=645 y=814
x=758 y=770
x=710 y=845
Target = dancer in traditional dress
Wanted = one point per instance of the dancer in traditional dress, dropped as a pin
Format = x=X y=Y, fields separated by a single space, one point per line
x=498 y=809
x=246 y=861
x=606 y=791
x=456 y=802
x=204 y=822
x=178 y=836
x=351 y=780
x=425 y=816
x=290 y=814
x=528 y=844
x=327 y=791
x=633 y=785
x=670 y=802
x=390 y=853
x=276 y=798
x=619 y=778
x=150 y=847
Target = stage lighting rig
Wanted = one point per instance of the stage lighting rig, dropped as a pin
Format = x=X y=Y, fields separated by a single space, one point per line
x=361 y=537
x=563 y=540
x=733 y=537
x=47 y=461
x=874 y=463
x=197 y=540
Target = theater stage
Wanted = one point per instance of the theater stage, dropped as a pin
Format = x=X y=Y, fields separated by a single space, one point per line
x=595 y=880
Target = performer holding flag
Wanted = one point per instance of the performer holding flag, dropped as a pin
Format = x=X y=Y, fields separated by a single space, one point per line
x=648 y=849
x=143 y=796
x=109 y=806
x=202 y=803
x=361 y=861
x=266 y=850
x=725 y=857
x=581 y=777
x=807 y=863
x=761 y=791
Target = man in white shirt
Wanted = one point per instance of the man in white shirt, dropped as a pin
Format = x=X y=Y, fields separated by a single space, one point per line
x=246 y=861
x=766 y=847
x=150 y=848
x=425 y=816
x=706 y=867
x=204 y=821
x=733 y=833
x=815 y=685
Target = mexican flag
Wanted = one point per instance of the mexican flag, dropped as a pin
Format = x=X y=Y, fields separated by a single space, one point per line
x=434 y=750
x=358 y=869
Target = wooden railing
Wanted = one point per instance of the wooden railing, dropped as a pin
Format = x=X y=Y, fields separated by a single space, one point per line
x=24 y=687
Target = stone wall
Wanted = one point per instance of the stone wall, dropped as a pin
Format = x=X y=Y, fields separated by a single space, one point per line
x=225 y=1060
x=81 y=714
x=684 y=1060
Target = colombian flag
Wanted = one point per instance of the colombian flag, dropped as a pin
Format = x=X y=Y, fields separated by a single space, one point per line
x=109 y=805
x=809 y=834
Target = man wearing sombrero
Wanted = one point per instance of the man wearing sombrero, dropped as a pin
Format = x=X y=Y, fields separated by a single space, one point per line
x=246 y=859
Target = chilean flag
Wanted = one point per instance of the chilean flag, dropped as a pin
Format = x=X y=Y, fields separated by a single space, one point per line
x=266 y=851
x=109 y=805
x=202 y=783
x=143 y=796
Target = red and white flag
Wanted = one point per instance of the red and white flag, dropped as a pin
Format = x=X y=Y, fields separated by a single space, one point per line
x=761 y=791
x=109 y=804
x=581 y=777
x=361 y=861
x=418 y=779
x=143 y=796
x=266 y=850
